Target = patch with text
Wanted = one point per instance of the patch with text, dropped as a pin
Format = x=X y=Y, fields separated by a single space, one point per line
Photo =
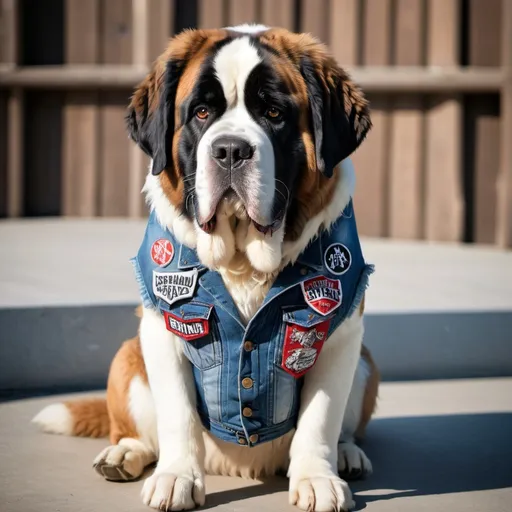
x=174 y=286
x=322 y=294
x=189 y=329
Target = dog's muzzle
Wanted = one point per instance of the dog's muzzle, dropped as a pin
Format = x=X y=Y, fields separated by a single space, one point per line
x=234 y=162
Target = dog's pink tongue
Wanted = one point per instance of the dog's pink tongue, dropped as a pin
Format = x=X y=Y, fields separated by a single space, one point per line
x=209 y=226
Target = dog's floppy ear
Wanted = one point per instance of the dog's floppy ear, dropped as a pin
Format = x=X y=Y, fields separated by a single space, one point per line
x=150 y=117
x=340 y=114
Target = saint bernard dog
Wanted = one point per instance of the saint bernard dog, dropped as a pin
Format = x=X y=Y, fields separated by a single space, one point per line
x=249 y=359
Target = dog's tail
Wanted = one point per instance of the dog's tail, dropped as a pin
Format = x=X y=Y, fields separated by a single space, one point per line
x=85 y=418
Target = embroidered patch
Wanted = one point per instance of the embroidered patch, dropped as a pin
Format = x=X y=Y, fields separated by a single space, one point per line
x=174 y=286
x=337 y=258
x=302 y=346
x=162 y=252
x=189 y=329
x=322 y=294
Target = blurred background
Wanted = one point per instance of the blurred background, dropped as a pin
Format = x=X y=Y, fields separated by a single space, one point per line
x=436 y=165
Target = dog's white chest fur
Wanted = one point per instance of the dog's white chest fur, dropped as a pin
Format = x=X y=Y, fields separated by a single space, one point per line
x=247 y=292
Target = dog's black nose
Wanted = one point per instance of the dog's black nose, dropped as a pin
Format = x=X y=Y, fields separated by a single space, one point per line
x=230 y=152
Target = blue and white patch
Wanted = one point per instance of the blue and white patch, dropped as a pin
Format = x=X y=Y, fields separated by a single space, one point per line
x=172 y=287
x=337 y=258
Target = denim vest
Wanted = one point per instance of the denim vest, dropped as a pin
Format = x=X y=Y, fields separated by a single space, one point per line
x=249 y=378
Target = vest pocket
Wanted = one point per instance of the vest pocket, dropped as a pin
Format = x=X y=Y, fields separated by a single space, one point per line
x=196 y=324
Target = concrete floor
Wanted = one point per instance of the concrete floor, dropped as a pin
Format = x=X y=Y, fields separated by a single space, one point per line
x=435 y=446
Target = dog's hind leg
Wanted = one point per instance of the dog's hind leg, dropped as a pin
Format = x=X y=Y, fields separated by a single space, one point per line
x=132 y=418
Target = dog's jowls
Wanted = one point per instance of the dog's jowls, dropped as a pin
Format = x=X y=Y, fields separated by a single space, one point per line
x=249 y=130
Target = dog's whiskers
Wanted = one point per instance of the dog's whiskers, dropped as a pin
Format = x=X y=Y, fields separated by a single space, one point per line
x=286 y=197
x=189 y=195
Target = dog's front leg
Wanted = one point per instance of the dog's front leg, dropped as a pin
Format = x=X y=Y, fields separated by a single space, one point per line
x=178 y=480
x=314 y=481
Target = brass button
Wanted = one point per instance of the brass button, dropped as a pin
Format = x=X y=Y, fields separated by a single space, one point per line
x=247 y=412
x=254 y=438
x=248 y=346
x=242 y=440
x=247 y=383
x=303 y=271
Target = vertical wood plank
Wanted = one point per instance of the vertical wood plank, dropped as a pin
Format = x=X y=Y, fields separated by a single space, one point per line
x=160 y=15
x=481 y=166
x=485 y=32
x=504 y=223
x=343 y=29
x=9 y=39
x=81 y=116
x=11 y=140
x=444 y=208
x=278 y=14
x=15 y=160
x=116 y=48
x=406 y=153
x=371 y=160
x=242 y=11
x=482 y=140
x=212 y=14
x=3 y=152
x=11 y=117
x=114 y=155
x=314 y=18
x=117 y=32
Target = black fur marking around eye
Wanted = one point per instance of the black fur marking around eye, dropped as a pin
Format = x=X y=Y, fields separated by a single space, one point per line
x=264 y=89
x=207 y=92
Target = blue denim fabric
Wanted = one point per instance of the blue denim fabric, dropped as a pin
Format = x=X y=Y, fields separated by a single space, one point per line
x=221 y=361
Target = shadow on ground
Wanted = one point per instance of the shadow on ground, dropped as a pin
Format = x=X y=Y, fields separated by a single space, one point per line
x=420 y=456
x=425 y=455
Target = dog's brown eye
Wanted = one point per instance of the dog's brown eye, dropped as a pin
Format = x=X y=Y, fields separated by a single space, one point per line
x=202 y=113
x=273 y=113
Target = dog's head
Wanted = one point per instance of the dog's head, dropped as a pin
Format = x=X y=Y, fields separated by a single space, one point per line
x=245 y=128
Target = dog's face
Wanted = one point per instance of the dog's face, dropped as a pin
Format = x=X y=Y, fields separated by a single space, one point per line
x=250 y=126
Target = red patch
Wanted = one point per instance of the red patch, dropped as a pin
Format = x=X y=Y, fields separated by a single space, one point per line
x=189 y=329
x=322 y=294
x=302 y=346
x=162 y=252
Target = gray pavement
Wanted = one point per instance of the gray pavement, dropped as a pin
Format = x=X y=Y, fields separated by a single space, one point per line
x=441 y=445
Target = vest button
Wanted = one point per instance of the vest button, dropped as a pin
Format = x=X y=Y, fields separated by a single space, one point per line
x=247 y=412
x=248 y=346
x=254 y=438
x=242 y=440
x=303 y=271
x=247 y=383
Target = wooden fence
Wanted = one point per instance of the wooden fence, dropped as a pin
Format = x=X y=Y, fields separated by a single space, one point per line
x=437 y=165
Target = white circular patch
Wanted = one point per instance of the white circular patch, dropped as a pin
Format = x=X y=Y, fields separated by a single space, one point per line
x=337 y=258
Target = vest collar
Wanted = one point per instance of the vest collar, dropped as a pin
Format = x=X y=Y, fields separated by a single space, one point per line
x=188 y=258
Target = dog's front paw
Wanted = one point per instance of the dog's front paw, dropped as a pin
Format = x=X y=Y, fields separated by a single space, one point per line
x=321 y=494
x=174 y=488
